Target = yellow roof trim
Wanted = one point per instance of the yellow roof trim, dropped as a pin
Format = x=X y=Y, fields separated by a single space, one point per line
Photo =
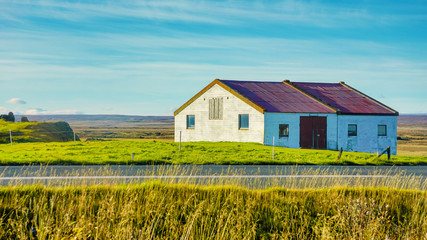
x=217 y=81
x=370 y=98
x=287 y=82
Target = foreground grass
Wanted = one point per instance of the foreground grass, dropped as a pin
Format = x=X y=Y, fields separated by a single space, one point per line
x=162 y=152
x=174 y=211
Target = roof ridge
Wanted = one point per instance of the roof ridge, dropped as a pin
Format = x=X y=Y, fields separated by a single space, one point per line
x=246 y=81
x=318 y=82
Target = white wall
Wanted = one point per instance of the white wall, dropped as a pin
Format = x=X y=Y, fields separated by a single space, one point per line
x=367 y=139
x=226 y=129
x=272 y=121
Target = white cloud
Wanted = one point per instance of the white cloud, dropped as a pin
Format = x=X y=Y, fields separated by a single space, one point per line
x=16 y=101
x=66 y=111
x=35 y=111
x=39 y=111
x=3 y=110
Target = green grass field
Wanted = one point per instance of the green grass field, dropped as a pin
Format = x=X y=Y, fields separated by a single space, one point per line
x=156 y=210
x=165 y=152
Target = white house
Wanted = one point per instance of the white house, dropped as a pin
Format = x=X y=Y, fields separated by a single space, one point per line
x=297 y=114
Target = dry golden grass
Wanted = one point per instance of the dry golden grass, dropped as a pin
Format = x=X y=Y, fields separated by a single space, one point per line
x=415 y=140
x=115 y=133
x=174 y=211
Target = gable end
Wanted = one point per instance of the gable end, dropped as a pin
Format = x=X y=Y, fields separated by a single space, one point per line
x=218 y=81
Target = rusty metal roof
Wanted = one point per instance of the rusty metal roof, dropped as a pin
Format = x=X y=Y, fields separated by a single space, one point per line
x=345 y=98
x=277 y=97
x=300 y=97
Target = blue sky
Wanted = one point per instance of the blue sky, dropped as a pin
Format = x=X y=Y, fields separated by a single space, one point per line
x=149 y=57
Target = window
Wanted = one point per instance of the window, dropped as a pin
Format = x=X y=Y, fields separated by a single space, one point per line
x=243 y=121
x=382 y=130
x=283 y=130
x=190 y=121
x=215 y=108
x=352 y=130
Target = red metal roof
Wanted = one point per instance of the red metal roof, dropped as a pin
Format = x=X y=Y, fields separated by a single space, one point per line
x=277 y=97
x=344 y=98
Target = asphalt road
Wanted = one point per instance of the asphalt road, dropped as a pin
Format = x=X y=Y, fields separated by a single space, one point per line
x=255 y=176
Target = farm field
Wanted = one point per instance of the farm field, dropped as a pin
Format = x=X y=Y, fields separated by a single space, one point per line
x=138 y=132
x=166 y=152
x=155 y=210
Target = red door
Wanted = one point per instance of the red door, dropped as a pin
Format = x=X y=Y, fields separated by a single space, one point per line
x=313 y=132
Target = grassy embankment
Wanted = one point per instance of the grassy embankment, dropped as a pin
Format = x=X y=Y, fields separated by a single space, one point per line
x=35 y=132
x=163 y=152
x=156 y=210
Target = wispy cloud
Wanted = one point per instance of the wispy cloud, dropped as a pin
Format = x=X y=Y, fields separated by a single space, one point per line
x=213 y=12
x=16 y=101
x=35 y=111
x=40 y=111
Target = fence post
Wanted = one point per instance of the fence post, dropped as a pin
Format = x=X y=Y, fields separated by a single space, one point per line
x=132 y=156
x=273 y=149
x=180 y=140
x=388 y=153
x=10 y=136
x=74 y=136
x=339 y=154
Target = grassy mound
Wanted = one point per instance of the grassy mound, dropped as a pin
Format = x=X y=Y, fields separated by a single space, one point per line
x=172 y=211
x=36 y=132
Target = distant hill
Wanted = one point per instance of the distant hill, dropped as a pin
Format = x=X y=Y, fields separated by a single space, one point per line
x=412 y=119
x=105 y=120
x=146 y=121
x=36 y=132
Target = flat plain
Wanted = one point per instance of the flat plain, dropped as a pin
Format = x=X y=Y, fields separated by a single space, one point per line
x=412 y=135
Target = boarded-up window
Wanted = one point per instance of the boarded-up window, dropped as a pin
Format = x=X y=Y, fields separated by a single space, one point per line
x=215 y=108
